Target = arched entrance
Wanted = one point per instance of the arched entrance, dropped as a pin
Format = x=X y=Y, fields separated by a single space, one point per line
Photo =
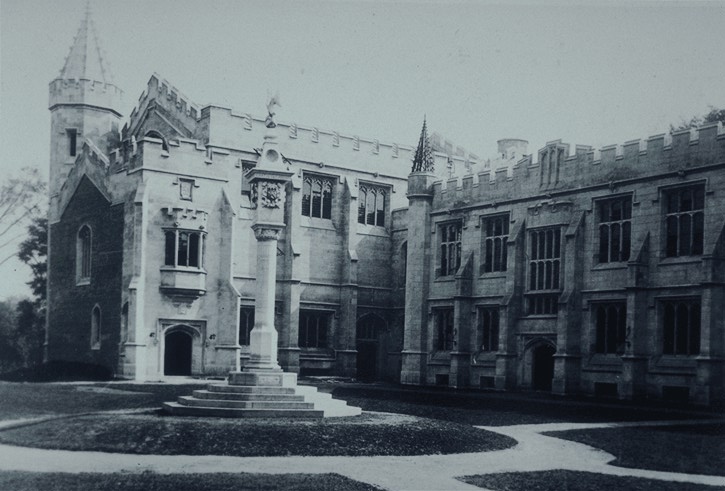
x=369 y=360
x=542 y=368
x=177 y=353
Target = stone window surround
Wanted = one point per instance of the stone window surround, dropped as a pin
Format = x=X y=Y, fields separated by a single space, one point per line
x=488 y=243
x=623 y=225
x=84 y=250
x=670 y=343
x=609 y=326
x=450 y=249
x=542 y=297
x=677 y=217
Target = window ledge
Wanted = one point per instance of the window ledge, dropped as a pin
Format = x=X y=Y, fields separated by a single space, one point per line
x=83 y=282
x=493 y=275
x=96 y=347
x=541 y=316
x=321 y=223
x=184 y=269
x=190 y=282
x=445 y=279
x=610 y=266
x=670 y=261
x=372 y=230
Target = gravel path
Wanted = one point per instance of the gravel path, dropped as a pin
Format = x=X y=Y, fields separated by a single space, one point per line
x=534 y=452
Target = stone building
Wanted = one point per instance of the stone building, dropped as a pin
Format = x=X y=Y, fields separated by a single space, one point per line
x=578 y=271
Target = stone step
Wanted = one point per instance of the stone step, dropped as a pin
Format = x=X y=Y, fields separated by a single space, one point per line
x=177 y=409
x=247 y=396
x=246 y=389
x=192 y=401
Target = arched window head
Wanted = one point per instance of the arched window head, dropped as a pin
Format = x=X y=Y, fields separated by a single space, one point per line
x=96 y=328
x=83 y=255
x=158 y=136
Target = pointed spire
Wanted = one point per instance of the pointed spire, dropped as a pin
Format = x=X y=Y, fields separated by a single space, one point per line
x=423 y=159
x=85 y=60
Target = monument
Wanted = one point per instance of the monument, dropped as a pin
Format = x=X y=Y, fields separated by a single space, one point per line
x=262 y=388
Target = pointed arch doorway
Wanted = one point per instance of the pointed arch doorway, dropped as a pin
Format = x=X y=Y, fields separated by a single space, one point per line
x=177 y=353
x=370 y=347
x=542 y=367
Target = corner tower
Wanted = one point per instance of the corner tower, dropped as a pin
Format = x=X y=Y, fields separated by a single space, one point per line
x=84 y=104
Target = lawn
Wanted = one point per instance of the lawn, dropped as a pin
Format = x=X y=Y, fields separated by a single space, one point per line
x=153 y=433
x=27 y=400
x=562 y=480
x=695 y=449
x=500 y=409
x=148 y=481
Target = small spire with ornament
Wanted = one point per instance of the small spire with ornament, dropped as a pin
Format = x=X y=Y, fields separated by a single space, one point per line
x=423 y=158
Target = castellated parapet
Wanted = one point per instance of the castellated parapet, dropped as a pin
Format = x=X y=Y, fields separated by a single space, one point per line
x=561 y=167
x=87 y=92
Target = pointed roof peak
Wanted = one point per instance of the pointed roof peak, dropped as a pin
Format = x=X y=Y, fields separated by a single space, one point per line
x=423 y=158
x=85 y=59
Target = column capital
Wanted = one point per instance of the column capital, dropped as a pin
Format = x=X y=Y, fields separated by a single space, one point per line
x=267 y=231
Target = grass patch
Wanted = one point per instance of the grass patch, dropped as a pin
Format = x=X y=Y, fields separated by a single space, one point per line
x=153 y=433
x=694 y=449
x=57 y=481
x=562 y=480
x=32 y=400
x=498 y=409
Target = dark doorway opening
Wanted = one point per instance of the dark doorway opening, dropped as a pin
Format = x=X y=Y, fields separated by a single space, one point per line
x=369 y=330
x=177 y=354
x=543 y=367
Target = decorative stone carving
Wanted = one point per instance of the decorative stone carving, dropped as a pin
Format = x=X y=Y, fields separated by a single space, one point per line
x=270 y=194
x=263 y=233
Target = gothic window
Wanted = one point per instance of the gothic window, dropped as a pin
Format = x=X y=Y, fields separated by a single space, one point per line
x=450 y=248
x=317 y=197
x=489 y=328
x=544 y=265
x=611 y=320
x=444 y=329
x=246 y=185
x=684 y=220
x=246 y=323
x=96 y=328
x=681 y=324
x=83 y=255
x=159 y=136
x=371 y=207
x=313 y=328
x=495 y=237
x=185 y=188
x=184 y=248
x=615 y=229
x=72 y=141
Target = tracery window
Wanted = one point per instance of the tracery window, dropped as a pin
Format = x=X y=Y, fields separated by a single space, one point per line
x=246 y=324
x=681 y=324
x=450 y=248
x=444 y=321
x=684 y=220
x=184 y=248
x=313 y=328
x=83 y=254
x=544 y=271
x=611 y=320
x=615 y=229
x=371 y=207
x=495 y=237
x=317 y=197
x=489 y=320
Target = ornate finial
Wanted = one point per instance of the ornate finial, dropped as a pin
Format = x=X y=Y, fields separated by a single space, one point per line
x=273 y=101
x=423 y=159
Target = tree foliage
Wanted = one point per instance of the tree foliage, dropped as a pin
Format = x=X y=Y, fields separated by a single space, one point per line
x=34 y=252
x=22 y=199
x=713 y=116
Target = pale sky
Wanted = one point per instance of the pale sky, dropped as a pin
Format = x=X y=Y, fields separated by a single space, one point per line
x=593 y=73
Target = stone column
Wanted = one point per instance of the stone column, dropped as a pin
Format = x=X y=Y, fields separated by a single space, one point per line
x=263 y=338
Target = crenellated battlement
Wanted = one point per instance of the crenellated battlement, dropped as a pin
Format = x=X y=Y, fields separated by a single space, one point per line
x=560 y=166
x=84 y=91
x=162 y=93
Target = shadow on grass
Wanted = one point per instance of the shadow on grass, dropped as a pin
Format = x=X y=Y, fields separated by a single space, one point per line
x=693 y=449
x=563 y=480
x=30 y=481
x=502 y=409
